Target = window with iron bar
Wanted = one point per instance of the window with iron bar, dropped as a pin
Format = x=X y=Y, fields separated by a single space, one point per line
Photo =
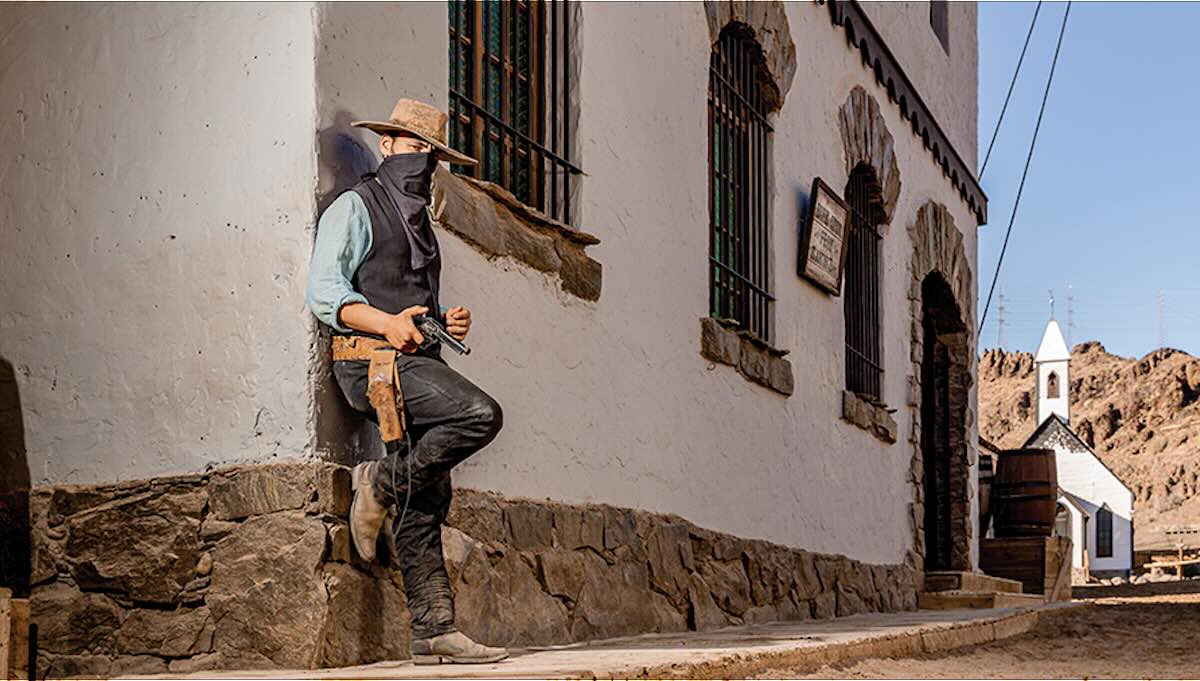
x=739 y=138
x=939 y=20
x=864 y=367
x=1104 y=533
x=511 y=97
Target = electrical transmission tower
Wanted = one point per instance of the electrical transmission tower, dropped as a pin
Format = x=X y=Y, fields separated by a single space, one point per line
x=1000 y=340
x=1162 y=318
x=1070 y=317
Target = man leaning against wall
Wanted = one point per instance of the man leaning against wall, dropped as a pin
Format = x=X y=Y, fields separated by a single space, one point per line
x=374 y=280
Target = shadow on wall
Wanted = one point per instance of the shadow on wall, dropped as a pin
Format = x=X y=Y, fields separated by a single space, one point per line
x=343 y=435
x=14 y=488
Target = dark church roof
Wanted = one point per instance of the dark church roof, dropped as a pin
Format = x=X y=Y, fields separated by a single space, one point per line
x=1055 y=425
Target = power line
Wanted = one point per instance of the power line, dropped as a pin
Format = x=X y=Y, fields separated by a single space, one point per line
x=1070 y=315
x=1000 y=325
x=1162 y=319
x=1011 y=85
x=1028 y=158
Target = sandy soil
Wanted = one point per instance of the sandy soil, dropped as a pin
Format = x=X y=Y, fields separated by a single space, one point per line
x=1155 y=635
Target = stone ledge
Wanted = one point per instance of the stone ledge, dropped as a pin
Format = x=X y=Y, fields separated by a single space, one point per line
x=873 y=418
x=494 y=222
x=755 y=360
x=280 y=588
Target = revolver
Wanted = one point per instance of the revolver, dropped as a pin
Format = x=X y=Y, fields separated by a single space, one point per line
x=433 y=331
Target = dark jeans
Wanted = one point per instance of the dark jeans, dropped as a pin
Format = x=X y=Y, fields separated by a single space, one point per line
x=449 y=418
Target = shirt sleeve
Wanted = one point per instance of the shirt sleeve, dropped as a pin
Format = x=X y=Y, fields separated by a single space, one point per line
x=343 y=240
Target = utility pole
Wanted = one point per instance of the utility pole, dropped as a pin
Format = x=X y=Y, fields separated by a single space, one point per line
x=1162 y=318
x=1000 y=322
x=1070 y=316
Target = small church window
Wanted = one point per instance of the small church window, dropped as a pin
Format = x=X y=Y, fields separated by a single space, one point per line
x=1052 y=386
x=1104 y=533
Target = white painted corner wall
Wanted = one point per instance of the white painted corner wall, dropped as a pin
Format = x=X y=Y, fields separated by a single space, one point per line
x=156 y=202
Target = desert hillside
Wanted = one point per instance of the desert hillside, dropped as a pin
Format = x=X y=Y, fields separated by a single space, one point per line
x=1141 y=416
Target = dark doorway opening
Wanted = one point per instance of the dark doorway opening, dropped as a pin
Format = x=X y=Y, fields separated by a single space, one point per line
x=945 y=386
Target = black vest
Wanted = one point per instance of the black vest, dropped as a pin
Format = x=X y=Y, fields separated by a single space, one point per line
x=386 y=277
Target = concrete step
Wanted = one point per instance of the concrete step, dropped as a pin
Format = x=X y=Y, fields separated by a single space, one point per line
x=950 y=580
x=975 y=600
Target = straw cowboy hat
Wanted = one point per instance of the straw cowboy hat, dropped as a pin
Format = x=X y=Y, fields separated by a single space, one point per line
x=423 y=120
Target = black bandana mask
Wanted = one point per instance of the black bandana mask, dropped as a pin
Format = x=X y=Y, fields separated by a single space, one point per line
x=408 y=180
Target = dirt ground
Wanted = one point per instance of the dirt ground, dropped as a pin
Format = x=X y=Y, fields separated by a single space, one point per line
x=1153 y=632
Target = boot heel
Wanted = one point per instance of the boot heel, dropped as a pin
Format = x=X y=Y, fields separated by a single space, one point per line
x=426 y=659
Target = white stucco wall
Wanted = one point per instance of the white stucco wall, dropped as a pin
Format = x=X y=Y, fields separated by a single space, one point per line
x=1093 y=485
x=906 y=28
x=611 y=401
x=155 y=203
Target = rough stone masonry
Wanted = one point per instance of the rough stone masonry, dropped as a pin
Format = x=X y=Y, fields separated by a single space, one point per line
x=252 y=567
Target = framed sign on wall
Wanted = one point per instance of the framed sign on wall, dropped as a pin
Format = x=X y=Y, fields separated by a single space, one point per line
x=823 y=239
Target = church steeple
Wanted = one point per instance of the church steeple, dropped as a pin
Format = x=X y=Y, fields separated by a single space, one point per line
x=1053 y=363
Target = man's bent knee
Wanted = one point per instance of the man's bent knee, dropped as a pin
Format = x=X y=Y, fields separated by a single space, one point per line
x=487 y=417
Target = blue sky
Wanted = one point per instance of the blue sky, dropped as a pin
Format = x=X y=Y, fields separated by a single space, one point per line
x=1111 y=206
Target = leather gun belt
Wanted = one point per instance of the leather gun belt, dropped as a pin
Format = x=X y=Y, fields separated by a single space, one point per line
x=383 y=380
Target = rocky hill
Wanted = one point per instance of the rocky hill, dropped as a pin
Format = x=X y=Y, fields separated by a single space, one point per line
x=1141 y=416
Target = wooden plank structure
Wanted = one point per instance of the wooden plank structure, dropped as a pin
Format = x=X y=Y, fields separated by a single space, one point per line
x=1041 y=564
x=18 y=637
x=1186 y=537
x=5 y=625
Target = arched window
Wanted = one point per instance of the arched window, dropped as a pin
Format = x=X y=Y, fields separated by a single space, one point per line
x=1104 y=533
x=864 y=366
x=1052 y=386
x=739 y=138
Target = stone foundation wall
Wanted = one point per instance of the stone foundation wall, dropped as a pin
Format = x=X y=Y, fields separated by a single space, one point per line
x=251 y=567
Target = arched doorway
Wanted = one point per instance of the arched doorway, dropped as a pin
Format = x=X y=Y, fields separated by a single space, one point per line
x=945 y=383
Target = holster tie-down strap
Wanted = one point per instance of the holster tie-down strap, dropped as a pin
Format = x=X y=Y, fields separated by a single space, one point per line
x=383 y=380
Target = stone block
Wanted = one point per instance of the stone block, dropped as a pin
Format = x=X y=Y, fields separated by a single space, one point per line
x=144 y=546
x=479 y=515
x=753 y=363
x=620 y=530
x=579 y=528
x=669 y=551
x=166 y=633
x=268 y=595
x=340 y=549
x=529 y=525
x=850 y=603
x=1015 y=625
x=213 y=530
x=197 y=663
x=333 y=490
x=581 y=275
x=76 y=666
x=562 y=573
x=526 y=244
x=718 y=343
x=614 y=601
x=504 y=604
x=807 y=583
x=366 y=620
x=704 y=614
x=72 y=622
x=464 y=210
x=257 y=490
x=729 y=585
x=779 y=376
x=142 y=665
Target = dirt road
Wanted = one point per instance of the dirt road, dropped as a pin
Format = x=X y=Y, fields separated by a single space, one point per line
x=1151 y=631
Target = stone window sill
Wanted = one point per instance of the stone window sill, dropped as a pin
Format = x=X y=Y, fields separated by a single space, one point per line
x=870 y=416
x=497 y=224
x=755 y=360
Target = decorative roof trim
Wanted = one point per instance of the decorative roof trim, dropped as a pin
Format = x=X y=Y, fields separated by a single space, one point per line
x=861 y=33
x=1056 y=421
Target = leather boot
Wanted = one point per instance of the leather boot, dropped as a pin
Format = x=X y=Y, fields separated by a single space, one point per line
x=366 y=512
x=454 y=648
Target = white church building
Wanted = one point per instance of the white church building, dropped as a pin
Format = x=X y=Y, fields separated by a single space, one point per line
x=1095 y=508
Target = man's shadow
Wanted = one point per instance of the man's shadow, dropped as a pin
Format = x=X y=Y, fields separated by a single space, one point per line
x=15 y=554
x=344 y=156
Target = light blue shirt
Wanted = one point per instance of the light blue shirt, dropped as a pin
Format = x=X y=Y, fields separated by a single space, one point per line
x=343 y=241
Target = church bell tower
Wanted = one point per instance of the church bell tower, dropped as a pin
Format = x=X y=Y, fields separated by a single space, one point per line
x=1053 y=362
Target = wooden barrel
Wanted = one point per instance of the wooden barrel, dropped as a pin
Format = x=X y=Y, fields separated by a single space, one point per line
x=1024 y=493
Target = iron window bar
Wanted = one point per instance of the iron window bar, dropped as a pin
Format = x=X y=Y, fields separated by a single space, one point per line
x=864 y=370
x=739 y=138
x=504 y=110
